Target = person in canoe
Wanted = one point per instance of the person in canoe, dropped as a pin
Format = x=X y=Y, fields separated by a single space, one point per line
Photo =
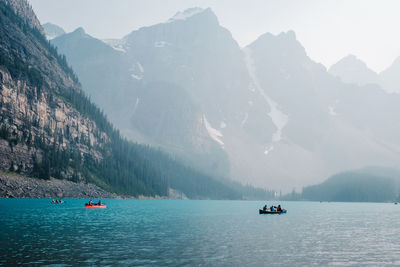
x=279 y=209
x=272 y=208
x=90 y=203
x=99 y=203
x=265 y=208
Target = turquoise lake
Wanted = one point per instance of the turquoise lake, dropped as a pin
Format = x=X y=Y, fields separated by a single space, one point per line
x=190 y=232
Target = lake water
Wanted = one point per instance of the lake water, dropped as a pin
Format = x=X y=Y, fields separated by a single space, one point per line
x=176 y=232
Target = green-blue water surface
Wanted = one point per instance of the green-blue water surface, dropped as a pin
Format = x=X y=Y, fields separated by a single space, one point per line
x=176 y=232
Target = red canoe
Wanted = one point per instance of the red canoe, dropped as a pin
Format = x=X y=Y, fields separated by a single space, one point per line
x=95 y=206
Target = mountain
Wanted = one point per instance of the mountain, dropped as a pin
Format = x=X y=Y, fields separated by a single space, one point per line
x=52 y=31
x=330 y=126
x=370 y=184
x=49 y=128
x=176 y=102
x=350 y=69
x=266 y=114
x=390 y=77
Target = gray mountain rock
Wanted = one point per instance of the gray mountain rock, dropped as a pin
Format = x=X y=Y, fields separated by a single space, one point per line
x=350 y=69
x=390 y=77
x=52 y=31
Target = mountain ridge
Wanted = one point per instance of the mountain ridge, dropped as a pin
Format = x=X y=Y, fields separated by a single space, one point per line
x=282 y=119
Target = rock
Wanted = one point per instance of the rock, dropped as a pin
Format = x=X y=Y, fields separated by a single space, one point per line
x=15 y=185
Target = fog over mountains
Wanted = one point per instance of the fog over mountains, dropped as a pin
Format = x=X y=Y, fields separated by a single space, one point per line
x=265 y=114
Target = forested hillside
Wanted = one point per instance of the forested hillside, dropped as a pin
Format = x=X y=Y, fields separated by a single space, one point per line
x=371 y=184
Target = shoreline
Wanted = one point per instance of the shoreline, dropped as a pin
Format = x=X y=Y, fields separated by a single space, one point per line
x=14 y=185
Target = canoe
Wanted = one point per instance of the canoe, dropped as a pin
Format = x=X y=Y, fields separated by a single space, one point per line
x=271 y=212
x=95 y=206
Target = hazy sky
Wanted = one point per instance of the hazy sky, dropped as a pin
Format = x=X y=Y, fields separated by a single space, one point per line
x=329 y=29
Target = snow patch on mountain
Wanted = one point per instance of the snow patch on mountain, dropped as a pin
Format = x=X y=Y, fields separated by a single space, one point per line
x=137 y=77
x=137 y=71
x=268 y=149
x=161 y=44
x=279 y=118
x=251 y=88
x=140 y=67
x=51 y=37
x=246 y=116
x=214 y=133
x=136 y=106
x=116 y=44
x=186 y=14
x=332 y=109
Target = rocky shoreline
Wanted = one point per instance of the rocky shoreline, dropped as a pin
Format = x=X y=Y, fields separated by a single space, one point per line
x=13 y=185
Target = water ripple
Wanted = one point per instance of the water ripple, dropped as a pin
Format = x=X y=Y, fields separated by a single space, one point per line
x=203 y=233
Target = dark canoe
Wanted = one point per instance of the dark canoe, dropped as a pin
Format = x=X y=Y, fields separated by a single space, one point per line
x=271 y=212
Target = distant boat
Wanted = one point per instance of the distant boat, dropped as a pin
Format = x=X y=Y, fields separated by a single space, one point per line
x=271 y=212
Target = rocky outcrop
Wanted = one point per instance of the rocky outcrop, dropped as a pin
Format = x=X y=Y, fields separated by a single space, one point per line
x=17 y=186
x=23 y=9
x=29 y=116
x=41 y=105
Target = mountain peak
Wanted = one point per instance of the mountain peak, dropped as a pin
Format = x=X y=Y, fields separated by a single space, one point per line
x=351 y=69
x=188 y=13
x=195 y=13
x=52 y=31
x=351 y=61
x=288 y=37
x=185 y=27
x=284 y=44
x=79 y=31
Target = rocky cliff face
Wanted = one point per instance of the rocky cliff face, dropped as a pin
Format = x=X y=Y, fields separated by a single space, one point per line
x=29 y=116
x=24 y=10
x=33 y=87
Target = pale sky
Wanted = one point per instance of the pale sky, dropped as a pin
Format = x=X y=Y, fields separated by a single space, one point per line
x=328 y=29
